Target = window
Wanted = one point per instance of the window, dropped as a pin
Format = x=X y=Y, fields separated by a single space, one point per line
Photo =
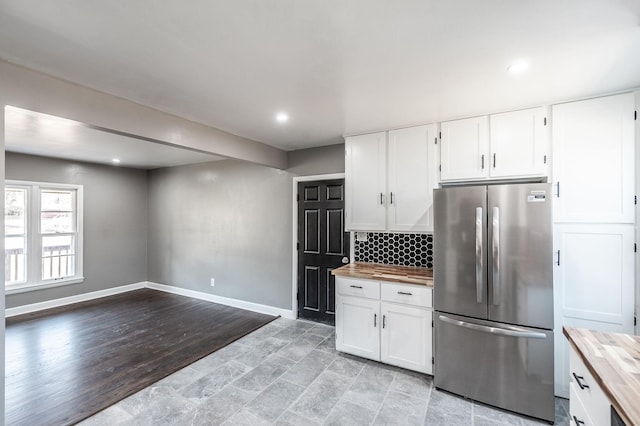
x=43 y=235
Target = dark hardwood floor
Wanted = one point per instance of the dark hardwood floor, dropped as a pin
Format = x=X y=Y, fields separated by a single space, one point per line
x=67 y=363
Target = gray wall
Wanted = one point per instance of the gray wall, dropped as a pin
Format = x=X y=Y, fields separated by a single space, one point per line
x=317 y=161
x=115 y=217
x=231 y=221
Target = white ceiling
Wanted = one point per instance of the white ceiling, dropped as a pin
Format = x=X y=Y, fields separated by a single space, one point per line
x=337 y=67
x=30 y=132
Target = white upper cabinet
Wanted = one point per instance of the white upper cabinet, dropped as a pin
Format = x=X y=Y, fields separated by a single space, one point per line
x=391 y=189
x=519 y=143
x=593 y=157
x=411 y=178
x=465 y=149
x=365 y=180
x=508 y=145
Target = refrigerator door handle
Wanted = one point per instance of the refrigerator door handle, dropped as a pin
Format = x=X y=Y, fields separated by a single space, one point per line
x=509 y=331
x=479 y=254
x=495 y=245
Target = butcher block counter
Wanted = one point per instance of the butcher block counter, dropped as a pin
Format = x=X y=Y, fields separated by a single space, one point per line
x=613 y=359
x=393 y=273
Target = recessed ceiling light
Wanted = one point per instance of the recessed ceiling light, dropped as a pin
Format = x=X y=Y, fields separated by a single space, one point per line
x=517 y=67
x=282 y=117
x=115 y=160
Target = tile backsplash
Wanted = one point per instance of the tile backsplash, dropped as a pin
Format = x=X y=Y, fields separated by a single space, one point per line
x=395 y=249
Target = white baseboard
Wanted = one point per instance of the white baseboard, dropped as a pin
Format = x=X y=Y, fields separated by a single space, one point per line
x=54 y=303
x=236 y=303
x=249 y=306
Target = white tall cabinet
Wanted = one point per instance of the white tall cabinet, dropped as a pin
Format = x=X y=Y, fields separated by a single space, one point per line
x=390 y=178
x=594 y=235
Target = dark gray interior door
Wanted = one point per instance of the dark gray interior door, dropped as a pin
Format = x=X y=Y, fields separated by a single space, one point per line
x=323 y=245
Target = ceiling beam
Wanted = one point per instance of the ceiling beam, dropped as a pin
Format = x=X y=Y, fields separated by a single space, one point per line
x=28 y=89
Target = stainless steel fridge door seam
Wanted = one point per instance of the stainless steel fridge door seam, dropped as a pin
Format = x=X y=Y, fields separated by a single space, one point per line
x=509 y=331
x=479 y=254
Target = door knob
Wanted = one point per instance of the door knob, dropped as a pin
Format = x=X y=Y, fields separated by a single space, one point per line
x=345 y=260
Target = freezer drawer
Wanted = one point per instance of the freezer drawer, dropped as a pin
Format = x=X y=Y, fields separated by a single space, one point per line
x=497 y=364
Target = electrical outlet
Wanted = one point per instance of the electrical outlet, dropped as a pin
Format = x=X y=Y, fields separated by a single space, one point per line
x=213 y=282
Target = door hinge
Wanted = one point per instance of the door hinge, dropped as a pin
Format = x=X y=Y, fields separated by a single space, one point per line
x=558 y=259
x=635 y=247
x=545 y=121
x=635 y=115
x=297 y=197
x=436 y=140
x=440 y=135
x=433 y=361
x=431 y=323
x=297 y=246
x=297 y=296
x=440 y=168
x=635 y=321
x=635 y=199
x=545 y=159
x=558 y=189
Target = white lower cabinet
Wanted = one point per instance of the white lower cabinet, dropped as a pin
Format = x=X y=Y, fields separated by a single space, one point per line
x=358 y=328
x=405 y=337
x=588 y=405
x=386 y=322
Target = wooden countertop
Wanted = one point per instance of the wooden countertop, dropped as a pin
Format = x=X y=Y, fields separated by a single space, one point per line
x=393 y=273
x=614 y=361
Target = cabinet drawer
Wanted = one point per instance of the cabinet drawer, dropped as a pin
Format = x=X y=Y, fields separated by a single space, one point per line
x=407 y=294
x=359 y=288
x=577 y=411
x=593 y=398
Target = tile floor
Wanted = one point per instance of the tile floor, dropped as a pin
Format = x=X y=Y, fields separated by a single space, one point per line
x=288 y=373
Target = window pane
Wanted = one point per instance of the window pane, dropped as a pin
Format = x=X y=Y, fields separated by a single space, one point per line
x=14 y=211
x=15 y=265
x=52 y=222
x=58 y=257
x=56 y=200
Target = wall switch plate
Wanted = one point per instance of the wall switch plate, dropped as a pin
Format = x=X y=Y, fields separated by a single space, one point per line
x=213 y=282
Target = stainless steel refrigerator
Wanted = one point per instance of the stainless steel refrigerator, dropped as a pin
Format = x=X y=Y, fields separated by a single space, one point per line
x=493 y=295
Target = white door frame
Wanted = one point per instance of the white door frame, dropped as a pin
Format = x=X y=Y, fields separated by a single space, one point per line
x=294 y=273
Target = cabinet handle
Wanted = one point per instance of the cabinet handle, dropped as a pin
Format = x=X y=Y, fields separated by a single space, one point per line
x=494 y=160
x=406 y=293
x=577 y=422
x=381 y=201
x=558 y=259
x=375 y=320
x=384 y=321
x=355 y=286
x=578 y=378
x=482 y=161
x=391 y=198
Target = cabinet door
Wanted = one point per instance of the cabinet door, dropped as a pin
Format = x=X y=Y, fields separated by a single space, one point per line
x=406 y=337
x=593 y=285
x=365 y=176
x=411 y=179
x=519 y=143
x=465 y=149
x=595 y=272
x=593 y=160
x=358 y=327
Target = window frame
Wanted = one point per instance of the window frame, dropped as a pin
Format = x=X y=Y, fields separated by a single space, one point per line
x=34 y=252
